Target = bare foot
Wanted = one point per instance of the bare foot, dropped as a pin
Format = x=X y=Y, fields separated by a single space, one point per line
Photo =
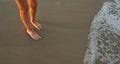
x=36 y=25
x=33 y=35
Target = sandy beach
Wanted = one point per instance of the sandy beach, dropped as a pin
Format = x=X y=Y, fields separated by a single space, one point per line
x=66 y=25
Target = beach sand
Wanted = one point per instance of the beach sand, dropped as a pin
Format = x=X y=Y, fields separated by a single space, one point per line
x=66 y=25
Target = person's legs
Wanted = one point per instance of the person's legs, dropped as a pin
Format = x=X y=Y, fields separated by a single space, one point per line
x=32 y=9
x=23 y=8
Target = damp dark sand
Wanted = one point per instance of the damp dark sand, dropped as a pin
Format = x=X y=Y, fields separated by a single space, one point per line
x=66 y=25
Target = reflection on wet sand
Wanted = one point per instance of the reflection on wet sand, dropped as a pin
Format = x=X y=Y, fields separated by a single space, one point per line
x=65 y=30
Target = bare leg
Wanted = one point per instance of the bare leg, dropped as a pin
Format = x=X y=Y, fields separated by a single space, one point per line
x=23 y=8
x=32 y=9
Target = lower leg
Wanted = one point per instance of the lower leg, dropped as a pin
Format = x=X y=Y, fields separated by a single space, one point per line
x=32 y=10
x=23 y=8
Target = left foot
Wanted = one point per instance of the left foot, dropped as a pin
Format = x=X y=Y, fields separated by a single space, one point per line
x=37 y=25
x=33 y=34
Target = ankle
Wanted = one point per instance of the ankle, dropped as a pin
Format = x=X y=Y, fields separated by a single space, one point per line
x=29 y=29
x=32 y=20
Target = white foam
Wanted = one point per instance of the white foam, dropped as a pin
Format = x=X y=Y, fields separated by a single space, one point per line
x=104 y=37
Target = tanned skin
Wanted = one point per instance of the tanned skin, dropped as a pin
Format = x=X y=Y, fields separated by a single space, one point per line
x=27 y=10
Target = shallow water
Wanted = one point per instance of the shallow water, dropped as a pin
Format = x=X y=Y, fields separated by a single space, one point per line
x=104 y=37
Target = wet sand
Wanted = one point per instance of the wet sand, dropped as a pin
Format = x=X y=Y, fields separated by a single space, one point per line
x=66 y=25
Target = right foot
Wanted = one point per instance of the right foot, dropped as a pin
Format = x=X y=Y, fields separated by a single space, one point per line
x=33 y=35
x=37 y=25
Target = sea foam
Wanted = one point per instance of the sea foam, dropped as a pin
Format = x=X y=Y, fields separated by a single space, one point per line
x=104 y=36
